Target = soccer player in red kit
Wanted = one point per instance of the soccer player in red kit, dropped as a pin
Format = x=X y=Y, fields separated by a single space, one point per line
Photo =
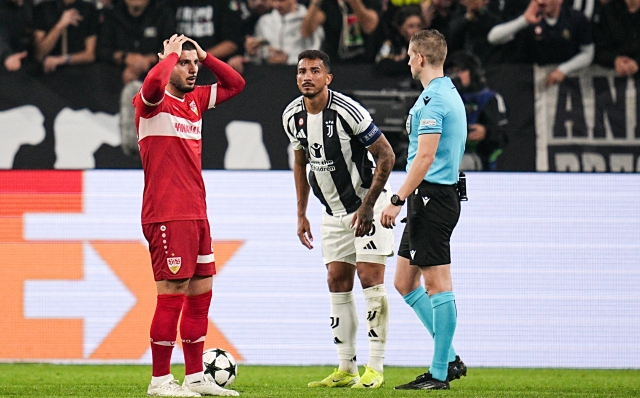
x=169 y=110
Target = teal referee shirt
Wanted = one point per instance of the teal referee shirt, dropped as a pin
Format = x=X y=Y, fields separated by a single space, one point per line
x=439 y=110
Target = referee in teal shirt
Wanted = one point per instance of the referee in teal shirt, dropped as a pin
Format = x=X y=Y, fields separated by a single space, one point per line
x=437 y=127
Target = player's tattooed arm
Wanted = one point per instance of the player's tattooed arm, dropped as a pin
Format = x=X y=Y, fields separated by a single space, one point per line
x=385 y=159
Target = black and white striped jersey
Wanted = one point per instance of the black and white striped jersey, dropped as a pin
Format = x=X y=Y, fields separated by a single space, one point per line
x=340 y=170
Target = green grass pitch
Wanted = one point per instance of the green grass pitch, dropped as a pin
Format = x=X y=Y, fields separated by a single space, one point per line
x=46 y=380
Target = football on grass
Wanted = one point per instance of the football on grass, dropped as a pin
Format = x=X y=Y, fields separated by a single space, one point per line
x=219 y=366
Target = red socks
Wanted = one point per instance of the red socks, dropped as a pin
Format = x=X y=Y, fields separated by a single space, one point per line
x=164 y=329
x=193 y=330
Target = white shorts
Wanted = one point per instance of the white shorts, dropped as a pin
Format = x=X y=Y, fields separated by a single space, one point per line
x=340 y=244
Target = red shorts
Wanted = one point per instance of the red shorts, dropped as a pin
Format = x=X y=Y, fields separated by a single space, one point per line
x=180 y=249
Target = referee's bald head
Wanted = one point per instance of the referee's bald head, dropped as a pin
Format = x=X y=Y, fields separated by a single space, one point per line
x=431 y=45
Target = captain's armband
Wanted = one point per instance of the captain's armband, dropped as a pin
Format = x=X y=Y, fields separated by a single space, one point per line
x=370 y=134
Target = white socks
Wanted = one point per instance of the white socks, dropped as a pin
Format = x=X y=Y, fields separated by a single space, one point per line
x=189 y=379
x=194 y=377
x=160 y=380
x=344 y=325
x=377 y=324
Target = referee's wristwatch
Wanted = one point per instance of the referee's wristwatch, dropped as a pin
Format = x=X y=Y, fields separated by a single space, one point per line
x=396 y=201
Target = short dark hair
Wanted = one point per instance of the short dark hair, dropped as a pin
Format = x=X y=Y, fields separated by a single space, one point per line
x=188 y=46
x=316 y=54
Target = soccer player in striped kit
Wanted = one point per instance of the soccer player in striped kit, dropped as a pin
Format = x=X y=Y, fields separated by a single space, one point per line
x=334 y=136
x=169 y=110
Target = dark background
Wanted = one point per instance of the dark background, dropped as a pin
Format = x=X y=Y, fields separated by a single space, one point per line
x=269 y=89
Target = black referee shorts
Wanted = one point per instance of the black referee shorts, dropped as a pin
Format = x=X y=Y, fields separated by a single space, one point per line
x=433 y=211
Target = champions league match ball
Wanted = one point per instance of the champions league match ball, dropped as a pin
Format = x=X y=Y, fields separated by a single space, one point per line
x=219 y=366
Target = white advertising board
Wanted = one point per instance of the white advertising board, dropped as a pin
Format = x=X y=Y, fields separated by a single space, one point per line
x=546 y=271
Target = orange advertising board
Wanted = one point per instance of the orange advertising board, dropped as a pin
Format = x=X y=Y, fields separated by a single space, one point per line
x=33 y=263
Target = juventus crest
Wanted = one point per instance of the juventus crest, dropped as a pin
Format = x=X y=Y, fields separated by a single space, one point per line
x=329 y=128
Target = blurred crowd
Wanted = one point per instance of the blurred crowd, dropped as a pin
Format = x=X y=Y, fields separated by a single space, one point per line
x=129 y=33
x=50 y=34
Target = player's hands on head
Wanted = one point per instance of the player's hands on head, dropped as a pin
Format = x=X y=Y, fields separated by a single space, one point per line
x=201 y=53
x=172 y=45
x=362 y=221
x=389 y=214
x=532 y=14
x=304 y=232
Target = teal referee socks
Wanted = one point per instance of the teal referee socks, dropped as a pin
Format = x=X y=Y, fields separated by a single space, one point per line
x=419 y=301
x=444 y=326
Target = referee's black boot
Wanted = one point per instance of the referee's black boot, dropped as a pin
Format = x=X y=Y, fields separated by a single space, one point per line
x=456 y=369
x=424 y=382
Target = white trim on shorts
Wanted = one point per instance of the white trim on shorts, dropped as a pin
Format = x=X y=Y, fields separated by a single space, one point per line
x=206 y=259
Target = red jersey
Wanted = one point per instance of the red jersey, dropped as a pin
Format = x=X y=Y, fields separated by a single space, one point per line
x=169 y=136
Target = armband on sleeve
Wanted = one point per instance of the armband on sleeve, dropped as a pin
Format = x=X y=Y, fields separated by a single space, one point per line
x=369 y=135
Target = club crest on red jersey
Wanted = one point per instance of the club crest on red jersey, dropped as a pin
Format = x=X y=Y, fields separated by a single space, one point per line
x=174 y=264
x=193 y=107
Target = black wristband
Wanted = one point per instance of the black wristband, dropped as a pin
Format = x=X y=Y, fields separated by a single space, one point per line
x=395 y=200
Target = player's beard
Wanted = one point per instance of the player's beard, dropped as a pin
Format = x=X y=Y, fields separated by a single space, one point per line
x=311 y=94
x=180 y=85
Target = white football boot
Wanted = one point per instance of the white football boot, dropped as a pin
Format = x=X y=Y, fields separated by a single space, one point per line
x=208 y=387
x=170 y=388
